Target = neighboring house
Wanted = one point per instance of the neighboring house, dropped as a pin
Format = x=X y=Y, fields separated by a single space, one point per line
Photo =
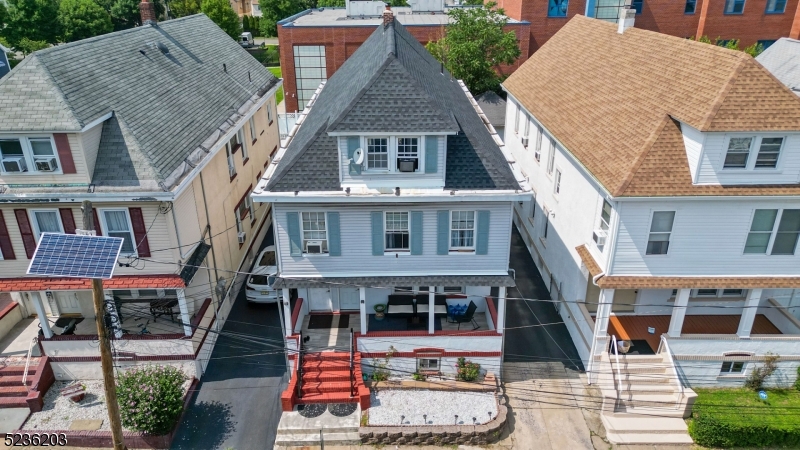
x=316 y=42
x=392 y=191
x=494 y=109
x=165 y=128
x=666 y=208
x=783 y=60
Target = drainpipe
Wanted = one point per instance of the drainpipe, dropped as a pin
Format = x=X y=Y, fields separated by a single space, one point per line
x=213 y=257
x=590 y=367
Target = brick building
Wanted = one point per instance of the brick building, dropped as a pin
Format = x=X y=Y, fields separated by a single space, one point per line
x=750 y=21
x=315 y=43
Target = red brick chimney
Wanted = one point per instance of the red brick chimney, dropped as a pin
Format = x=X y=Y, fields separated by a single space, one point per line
x=388 y=17
x=147 y=12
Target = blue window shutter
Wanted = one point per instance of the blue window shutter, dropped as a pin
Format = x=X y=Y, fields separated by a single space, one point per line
x=482 y=243
x=377 y=233
x=353 y=142
x=443 y=232
x=334 y=235
x=416 y=232
x=293 y=228
x=431 y=154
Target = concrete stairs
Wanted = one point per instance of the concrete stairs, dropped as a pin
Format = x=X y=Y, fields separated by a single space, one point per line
x=13 y=393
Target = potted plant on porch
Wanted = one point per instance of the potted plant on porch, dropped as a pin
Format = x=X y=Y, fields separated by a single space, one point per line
x=380 y=308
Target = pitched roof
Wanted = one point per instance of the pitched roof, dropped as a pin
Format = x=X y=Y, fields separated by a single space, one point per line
x=167 y=105
x=608 y=98
x=782 y=59
x=392 y=84
x=494 y=107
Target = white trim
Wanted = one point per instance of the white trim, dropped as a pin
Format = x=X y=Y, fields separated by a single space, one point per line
x=380 y=133
x=398 y=251
x=101 y=214
x=468 y=249
x=37 y=233
x=27 y=154
x=650 y=231
x=303 y=238
x=373 y=196
x=96 y=122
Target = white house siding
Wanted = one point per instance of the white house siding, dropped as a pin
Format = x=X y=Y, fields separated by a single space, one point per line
x=693 y=140
x=356 y=243
x=708 y=238
x=704 y=374
x=68 y=371
x=409 y=178
x=404 y=367
x=714 y=150
x=90 y=141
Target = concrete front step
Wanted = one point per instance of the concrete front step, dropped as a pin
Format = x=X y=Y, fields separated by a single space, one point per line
x=649 y=438
x=648 y=389
x=638 y=425
x=640 y=411
x=313 y=439
x=640 y=369
x=327 y=397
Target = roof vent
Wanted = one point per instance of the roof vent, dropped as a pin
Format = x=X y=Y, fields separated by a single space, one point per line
x=162 y=48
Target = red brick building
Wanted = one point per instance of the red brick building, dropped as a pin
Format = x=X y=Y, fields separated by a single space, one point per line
x=750 y=21
x=315 y=43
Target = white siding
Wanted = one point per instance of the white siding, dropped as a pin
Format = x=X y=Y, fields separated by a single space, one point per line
x=714 y=150
x=393 y=178
x=91 y=144
x=693 y=140
x=708 y=238
x=356 y=242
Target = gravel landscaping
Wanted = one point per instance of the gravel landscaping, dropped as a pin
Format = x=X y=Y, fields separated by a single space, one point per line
x=441 y=407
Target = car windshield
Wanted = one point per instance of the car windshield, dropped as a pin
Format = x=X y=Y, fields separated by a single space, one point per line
x=261 y=280
x=268 y=259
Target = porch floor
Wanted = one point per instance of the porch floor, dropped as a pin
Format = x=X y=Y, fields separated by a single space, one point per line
x=131 y=324
x=334 y=338
x=635 y=327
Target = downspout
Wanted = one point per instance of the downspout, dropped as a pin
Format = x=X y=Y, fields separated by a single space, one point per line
x=213 y=257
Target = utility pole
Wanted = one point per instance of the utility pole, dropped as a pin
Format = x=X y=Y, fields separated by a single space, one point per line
x=105 y=345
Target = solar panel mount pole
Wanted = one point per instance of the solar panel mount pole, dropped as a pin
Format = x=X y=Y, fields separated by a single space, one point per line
x=106 y=361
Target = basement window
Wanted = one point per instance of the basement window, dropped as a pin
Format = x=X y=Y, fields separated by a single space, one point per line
x=732 y=367
x=428 y=364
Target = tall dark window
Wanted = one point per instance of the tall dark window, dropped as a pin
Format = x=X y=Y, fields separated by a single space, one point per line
x=690 y=7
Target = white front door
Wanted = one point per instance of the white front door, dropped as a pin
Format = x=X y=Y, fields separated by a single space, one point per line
x=349 y=299
x=68 y=303
x=320 y=299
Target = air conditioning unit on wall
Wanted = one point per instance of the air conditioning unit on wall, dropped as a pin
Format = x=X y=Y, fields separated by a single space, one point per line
x=599 y=236
x=525 y=142
x=242 y=237
x=314 y=247
x=15 y=164
x=46 y=164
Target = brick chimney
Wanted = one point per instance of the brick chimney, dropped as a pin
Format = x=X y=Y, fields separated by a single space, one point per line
x=388 y=17
x=147 y=12
x=626 y=18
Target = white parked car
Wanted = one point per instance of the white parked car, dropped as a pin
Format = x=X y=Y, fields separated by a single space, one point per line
x=246 y=39
x=259 y=285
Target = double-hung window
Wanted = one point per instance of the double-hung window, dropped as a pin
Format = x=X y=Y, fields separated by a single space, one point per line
x=738 y=152
x=601 y=235
x=551 y=156
x=397 y=239
x=407 y=154
x=739 y=149
x=240 y=138
x=732 y=367
x=734 y=6
x=252 y=124
x=774 y=232
x=28 y=154
x=557 y=8
x=537 y=150
x=462 y=230
x=378 y=153
x=231 y=163
x=776 y=6
x=557 y=182
x=118 y=224
x=660 y=231
x=428 y=364
x=768 y=152
x=315 y=233
x=46 y=221
x=269 y=114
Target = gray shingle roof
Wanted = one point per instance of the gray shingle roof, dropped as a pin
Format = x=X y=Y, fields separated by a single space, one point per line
x=171 y=104
x=494 y=107
x=433 y=280
x=783 y=59
x=391 y=83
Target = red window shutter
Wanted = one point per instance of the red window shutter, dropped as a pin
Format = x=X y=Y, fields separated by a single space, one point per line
x=64 y=153
x=67 y=219
x=26 y=231
x=5 y=240
x=139 y=231
x=97 y=230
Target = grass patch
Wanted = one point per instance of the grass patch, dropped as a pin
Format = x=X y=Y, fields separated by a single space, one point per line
x=738 y=417
x=277 y=72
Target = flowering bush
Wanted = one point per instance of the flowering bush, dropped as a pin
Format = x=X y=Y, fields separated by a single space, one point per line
x=467 y=370
x=151 y=398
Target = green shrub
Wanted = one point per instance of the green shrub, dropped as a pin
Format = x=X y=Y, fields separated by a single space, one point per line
x=797 y=381
x=151 y=398
x=467 y=370
x=756 y=379
x=709 y=431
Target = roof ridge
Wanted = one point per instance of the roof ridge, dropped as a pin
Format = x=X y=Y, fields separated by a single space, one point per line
x=723 y=93
x=648 y=146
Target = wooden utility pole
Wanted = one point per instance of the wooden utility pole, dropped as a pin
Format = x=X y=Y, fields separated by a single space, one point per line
x=105 y=345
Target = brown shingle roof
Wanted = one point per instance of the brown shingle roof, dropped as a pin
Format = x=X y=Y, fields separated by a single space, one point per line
x=609 y=97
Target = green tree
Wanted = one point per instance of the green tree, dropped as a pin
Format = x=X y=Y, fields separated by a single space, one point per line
x=275 y=10
x=222 y=14
x=732 y=44
x=81 y=19
x=331 y=3
x=27 y=46
x=475 y=46
x=36 y=20
x=181 y=8
x=245 y=23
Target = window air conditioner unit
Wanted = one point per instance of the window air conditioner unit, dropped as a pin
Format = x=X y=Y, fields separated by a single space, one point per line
x=16 y=164
x=599 y=236
x=314 y=247
x=406 y=165
x=45 y=164
x=525 y=142
x=242 y=237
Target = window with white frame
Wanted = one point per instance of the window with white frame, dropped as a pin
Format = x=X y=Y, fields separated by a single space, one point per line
x=462 y=230
x=117 y=224
x=773 y=232
x=46 y=221
x=397 y=236
x=516 y=118
x=557 y=182
x=453 y=289
x=378 y=153
x=732 y=367
x=551 y=156
x=738 y=152
x=428 y=364
x=601 y=234
x=407 y=154
x=252 y=125
x=768 y=151
x=660 y=231
x=28 y=155
x=527 y=132
x=240 y=138
x=251 y=207
x=537 y=150
x=231 y=162
x=315 y=232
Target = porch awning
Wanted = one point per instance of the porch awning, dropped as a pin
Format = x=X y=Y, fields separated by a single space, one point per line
x=692 y=282
x=379 y=282
x=166 y=281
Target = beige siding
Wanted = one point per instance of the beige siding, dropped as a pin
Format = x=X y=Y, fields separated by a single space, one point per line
x=185 y=213
x=82 y=175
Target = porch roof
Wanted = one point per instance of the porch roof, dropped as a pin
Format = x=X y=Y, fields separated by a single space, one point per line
x=685 y=282
x=378 y=282
x=165 y=281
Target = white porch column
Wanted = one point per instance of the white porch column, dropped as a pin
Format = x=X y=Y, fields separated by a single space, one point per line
x=501 y=309
x=187 y=327
x=603 y=313
x=678 y=312
x=431 y=301
x=37 y=303
x=287 y=313
x=749 y=313
x=362 y=302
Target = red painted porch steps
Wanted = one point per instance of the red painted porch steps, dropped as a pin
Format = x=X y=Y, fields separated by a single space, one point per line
x=13 y=393
x=326 y=379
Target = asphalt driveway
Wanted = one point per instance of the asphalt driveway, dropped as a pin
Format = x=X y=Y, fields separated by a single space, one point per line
x=238 y=402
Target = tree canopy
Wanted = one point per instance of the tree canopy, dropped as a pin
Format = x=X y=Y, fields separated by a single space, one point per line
x=733 y=44
x=222 y=14
x=181 y=8
x=36 y=20
x=81 y=19
x=125 y=13
x=274 y=10
x=475 y=46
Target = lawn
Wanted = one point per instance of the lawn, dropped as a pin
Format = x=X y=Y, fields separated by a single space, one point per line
x=277 y=72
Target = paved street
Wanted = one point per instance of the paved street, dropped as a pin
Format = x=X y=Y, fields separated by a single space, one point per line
x=238 y=403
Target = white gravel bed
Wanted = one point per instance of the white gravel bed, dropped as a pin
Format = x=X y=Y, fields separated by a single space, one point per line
x=441 y=407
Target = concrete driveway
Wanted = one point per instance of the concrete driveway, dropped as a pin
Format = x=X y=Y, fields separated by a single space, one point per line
x=238 y=402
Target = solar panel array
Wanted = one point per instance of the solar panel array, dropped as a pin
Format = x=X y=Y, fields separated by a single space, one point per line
x=71 y=255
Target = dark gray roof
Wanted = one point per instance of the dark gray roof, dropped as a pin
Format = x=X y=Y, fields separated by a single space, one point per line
x=391 y=83
x=782 y=58
x=377 y=282
x=170 y=106
x=494 y=108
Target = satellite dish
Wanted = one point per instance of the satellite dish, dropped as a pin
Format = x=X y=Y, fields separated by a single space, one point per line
x=358 y=156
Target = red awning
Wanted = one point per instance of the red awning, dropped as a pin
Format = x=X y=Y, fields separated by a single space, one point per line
x=167 y=281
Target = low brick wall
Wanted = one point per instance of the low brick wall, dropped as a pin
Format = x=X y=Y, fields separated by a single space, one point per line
x=436 y=435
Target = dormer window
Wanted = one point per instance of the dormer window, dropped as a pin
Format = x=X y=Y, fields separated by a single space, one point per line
x=768 y=152
x=392 y=154
x=739 y=149
x=377 y=153
x=28 y=155
x=407 y=154
x=738 y=152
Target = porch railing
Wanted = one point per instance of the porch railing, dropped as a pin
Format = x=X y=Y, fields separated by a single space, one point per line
x=619 y=372
x=352 y=364
x=663 y=345
x=299 y=361
x=34 y=341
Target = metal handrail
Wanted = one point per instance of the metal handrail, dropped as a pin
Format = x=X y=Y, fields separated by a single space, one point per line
x=300 y=366
x=34 y=341
x=664 y=345
x=352 y=366
x=619 y=373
